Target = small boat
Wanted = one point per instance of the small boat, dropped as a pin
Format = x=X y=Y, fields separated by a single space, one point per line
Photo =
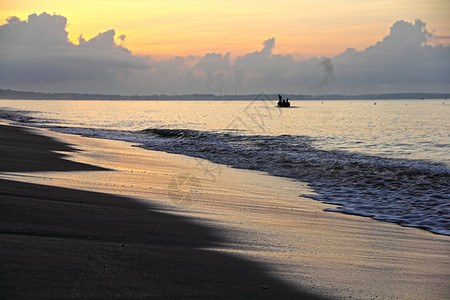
x=283 y=103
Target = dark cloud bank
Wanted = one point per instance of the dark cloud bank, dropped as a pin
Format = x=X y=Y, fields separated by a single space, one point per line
x=37 y=55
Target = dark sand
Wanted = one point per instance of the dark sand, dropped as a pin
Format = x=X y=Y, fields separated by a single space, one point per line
x=66 y=243
x=21 y=150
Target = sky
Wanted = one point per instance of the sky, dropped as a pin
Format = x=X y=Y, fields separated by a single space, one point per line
x=225 y=47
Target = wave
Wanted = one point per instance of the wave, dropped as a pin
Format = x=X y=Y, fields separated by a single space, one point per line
x=407 y=192
x=16 y=116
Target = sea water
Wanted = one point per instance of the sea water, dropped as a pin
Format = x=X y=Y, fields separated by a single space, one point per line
x=388 y=160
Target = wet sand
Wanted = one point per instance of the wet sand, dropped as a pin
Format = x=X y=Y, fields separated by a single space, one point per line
x=65 y=243
x=232 y=233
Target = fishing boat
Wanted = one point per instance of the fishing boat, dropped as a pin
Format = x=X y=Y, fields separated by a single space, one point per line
x=282 y=102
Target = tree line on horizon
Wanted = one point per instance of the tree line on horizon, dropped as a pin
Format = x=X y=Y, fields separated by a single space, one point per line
x=21 y=95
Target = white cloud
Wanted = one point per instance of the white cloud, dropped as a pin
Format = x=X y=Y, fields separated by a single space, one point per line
x=36 y=54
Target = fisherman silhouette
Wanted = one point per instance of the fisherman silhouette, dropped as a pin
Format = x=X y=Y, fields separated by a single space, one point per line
x=279 y=100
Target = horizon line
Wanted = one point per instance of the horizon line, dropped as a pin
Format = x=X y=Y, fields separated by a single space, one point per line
x=32 y=95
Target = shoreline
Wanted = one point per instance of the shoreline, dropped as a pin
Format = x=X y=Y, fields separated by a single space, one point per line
x=399 y=178
x=59 y=242
x=261 y=219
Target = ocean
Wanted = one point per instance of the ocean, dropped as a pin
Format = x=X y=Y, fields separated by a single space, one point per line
x=384 y=159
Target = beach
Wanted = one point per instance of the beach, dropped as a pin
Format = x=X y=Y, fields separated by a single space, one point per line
x=85 y=217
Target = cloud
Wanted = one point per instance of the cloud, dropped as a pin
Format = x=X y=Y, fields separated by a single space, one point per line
x=402 y=61
x=36 y=54
x=39 y=31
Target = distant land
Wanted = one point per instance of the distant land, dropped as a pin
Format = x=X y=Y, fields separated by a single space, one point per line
x=20 y=95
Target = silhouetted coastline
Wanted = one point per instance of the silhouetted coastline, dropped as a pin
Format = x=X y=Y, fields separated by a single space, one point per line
x=21 y=95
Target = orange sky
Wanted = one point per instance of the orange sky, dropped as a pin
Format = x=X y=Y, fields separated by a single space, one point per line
x=186 y=27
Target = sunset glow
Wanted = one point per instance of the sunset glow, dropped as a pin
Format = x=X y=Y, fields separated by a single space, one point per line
x=229 y=149
x=166 y=29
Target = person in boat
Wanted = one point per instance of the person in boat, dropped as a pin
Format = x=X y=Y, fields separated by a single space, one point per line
x=283 y=102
